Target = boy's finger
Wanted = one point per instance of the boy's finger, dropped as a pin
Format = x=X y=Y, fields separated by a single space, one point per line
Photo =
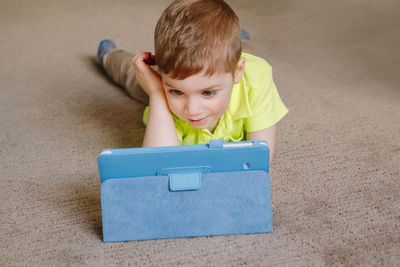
x=138 y=60
x=145 y=57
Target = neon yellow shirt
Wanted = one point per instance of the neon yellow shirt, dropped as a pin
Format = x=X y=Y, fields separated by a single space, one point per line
x=255 y=105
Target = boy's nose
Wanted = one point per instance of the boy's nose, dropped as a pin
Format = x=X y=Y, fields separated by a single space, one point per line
x=193 y=107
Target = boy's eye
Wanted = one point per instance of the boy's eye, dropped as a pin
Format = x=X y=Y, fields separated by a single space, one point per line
x=208 y=93
x=176 y=92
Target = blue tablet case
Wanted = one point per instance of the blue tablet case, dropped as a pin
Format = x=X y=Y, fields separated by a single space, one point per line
x=185 y=191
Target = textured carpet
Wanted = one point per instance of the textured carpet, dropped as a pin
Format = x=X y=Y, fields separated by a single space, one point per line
x=335 y=175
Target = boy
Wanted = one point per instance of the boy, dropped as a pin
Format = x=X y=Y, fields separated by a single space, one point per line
x=206 y=88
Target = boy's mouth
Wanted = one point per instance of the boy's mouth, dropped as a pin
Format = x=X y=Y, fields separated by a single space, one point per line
x=197 y=122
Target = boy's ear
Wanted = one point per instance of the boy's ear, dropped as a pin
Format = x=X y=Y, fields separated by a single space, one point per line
x=239 y=70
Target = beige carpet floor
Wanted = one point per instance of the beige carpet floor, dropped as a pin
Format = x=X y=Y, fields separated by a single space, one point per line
x=335 y=176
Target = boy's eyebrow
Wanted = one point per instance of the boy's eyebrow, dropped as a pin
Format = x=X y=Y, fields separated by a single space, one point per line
x=203 y=89
x=211 y=87
x=167 y=84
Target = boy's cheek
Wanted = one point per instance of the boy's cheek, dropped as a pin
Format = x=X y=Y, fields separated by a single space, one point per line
x=172 y=104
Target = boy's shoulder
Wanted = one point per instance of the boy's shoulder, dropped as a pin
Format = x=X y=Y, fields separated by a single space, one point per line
x=256 y=68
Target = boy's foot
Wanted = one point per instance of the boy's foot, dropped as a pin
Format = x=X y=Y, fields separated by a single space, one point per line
x=105 y=46
x=244 y=35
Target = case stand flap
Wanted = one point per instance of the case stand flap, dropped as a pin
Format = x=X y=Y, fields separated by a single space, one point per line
x=184 y=181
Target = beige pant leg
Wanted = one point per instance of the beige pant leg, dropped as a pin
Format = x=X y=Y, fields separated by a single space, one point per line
x=118 y=65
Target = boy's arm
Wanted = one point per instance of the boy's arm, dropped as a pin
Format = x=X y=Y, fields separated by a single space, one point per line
x=267 y=135
x=160 y=130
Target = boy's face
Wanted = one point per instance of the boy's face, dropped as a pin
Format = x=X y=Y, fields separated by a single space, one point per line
x=201 y=100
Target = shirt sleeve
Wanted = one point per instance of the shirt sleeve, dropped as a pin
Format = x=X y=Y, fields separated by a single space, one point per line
x=265 y=102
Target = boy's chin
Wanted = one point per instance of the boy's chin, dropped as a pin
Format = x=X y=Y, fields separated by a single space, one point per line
x=203 y=126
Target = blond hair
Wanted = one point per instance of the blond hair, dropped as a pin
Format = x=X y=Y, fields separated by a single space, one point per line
x=192 y=36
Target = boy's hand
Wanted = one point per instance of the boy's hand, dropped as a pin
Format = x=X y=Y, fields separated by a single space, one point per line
x=147 y=78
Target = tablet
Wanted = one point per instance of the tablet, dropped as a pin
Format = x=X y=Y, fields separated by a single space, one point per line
x=185 y=191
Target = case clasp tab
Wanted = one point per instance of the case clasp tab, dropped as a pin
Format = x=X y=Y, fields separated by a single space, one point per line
x=184 y=181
